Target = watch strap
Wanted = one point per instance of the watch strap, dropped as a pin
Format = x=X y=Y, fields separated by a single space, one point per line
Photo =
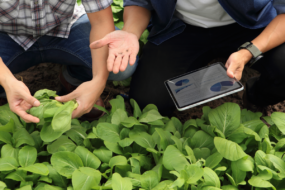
x=251 y=48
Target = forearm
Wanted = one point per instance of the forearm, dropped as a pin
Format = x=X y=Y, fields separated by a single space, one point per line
x=272 y=36
x=100 y=26
x=136 y=20
x=5 y=74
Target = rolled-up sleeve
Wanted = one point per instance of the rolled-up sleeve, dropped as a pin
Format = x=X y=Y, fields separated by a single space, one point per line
x=96 y=5
x=142 y=3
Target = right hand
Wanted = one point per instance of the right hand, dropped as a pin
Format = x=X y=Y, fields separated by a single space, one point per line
x=123 y=48
x=20 y=99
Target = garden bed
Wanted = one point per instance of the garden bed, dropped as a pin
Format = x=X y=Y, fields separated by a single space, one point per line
x=45 y=75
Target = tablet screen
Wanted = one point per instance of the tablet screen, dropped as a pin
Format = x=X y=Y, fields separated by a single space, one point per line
x=200 y=85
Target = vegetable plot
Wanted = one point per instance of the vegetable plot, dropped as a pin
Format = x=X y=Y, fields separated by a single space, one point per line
x=227 y=149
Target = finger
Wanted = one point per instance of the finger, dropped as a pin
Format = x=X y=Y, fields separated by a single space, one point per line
x=100 y=43
x=124 y=64
x=78 y=112
x=67 y=97
x=31 y=100
x=27 y=117
x=133 y=58
x=25 y=105
x=230 y=69
x=117 y=64
x=111 y=61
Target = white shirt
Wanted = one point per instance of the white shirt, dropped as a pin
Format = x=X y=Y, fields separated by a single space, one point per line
x=202 y=13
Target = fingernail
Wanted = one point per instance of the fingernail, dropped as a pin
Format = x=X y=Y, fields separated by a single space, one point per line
x=37 y=103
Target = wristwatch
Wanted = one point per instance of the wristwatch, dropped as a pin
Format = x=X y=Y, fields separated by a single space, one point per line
x=256 y=53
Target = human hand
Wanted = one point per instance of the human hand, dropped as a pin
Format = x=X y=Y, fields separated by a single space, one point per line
x=123 y=48
x=86 y=96
x=20 y=99
x=236 y=62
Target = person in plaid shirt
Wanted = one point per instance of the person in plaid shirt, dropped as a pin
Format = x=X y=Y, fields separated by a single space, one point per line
x=58 y=31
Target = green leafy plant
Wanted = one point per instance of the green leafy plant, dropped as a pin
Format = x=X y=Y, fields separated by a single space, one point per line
x=227 y=149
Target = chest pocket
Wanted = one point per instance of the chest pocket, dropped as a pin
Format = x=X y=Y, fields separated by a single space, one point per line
x=62 y=7
x=9 y=10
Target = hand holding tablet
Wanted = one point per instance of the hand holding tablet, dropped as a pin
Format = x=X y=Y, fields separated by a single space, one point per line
x=201 y=86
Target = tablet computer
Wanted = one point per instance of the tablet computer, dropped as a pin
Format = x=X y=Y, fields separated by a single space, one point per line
x=201 y=86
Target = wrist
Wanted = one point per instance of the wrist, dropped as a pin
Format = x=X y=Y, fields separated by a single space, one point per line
x=136 y=33
x=7 y=80
x=245 y=55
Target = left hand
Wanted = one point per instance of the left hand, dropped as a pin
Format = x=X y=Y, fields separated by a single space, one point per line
x=86 y=96
x=236 y=62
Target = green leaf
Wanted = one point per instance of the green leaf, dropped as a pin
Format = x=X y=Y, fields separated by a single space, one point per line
x=165 y=138
x=279 y=119
x=211 y=178
x=9 y=127
x=247 y=115
x=142 y=138
x=77 y=134
x=37 y=168
x=48 y=134
x=103 y=154
x=137 y=111
x=85 y=178
x=237 y=174
x=118 y=161
x=2 y=185
x=264 y=131
x=229 y=149
x=172 y=153
x=202 y=140
x=61 y=121
x=226 y=118
x=125 y=142
x=27 y=187
x=229 y=187
x=194 y=173
x=6 y=115
x=245 y=164
x=8 y=164
x=144 y=36
x=44 y=93
x=252 y=133
x=9 y=151
x=108 y=132
x=114 y=147
x=5 y=137
x=21 y=136
x=278 y=163
x=130 y=122
x=213 y=160
x=119 y=116
x=63 y=143
x=201 y=153
x=18 y=175
x=150 y=116
x=259 y=182
x=65 y=163
x=238 y=135
x=88 y=159
x=119 y=183
x=149 y=180
x=57 y=179
x=27 y=156
x=117 y=103
x=191 y=154
x=101 y=109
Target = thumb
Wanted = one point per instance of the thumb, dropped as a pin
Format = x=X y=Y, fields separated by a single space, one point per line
x=231 y=70
x=66 y=98
x=32 y=100
x=100 y=43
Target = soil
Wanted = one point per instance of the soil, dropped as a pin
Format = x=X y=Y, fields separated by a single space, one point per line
x=45 y=75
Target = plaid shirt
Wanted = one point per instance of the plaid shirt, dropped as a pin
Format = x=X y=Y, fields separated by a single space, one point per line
x=27 y=20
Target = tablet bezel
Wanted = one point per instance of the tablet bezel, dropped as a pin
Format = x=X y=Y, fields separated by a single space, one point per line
x=182 y=108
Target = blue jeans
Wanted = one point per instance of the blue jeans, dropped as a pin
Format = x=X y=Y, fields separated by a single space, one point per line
x=73 y=52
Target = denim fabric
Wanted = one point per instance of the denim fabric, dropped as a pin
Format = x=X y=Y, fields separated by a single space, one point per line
x=250 y=14
x=74 y=52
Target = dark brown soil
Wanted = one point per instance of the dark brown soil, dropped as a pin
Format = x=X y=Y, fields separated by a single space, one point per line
x=45 y=75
